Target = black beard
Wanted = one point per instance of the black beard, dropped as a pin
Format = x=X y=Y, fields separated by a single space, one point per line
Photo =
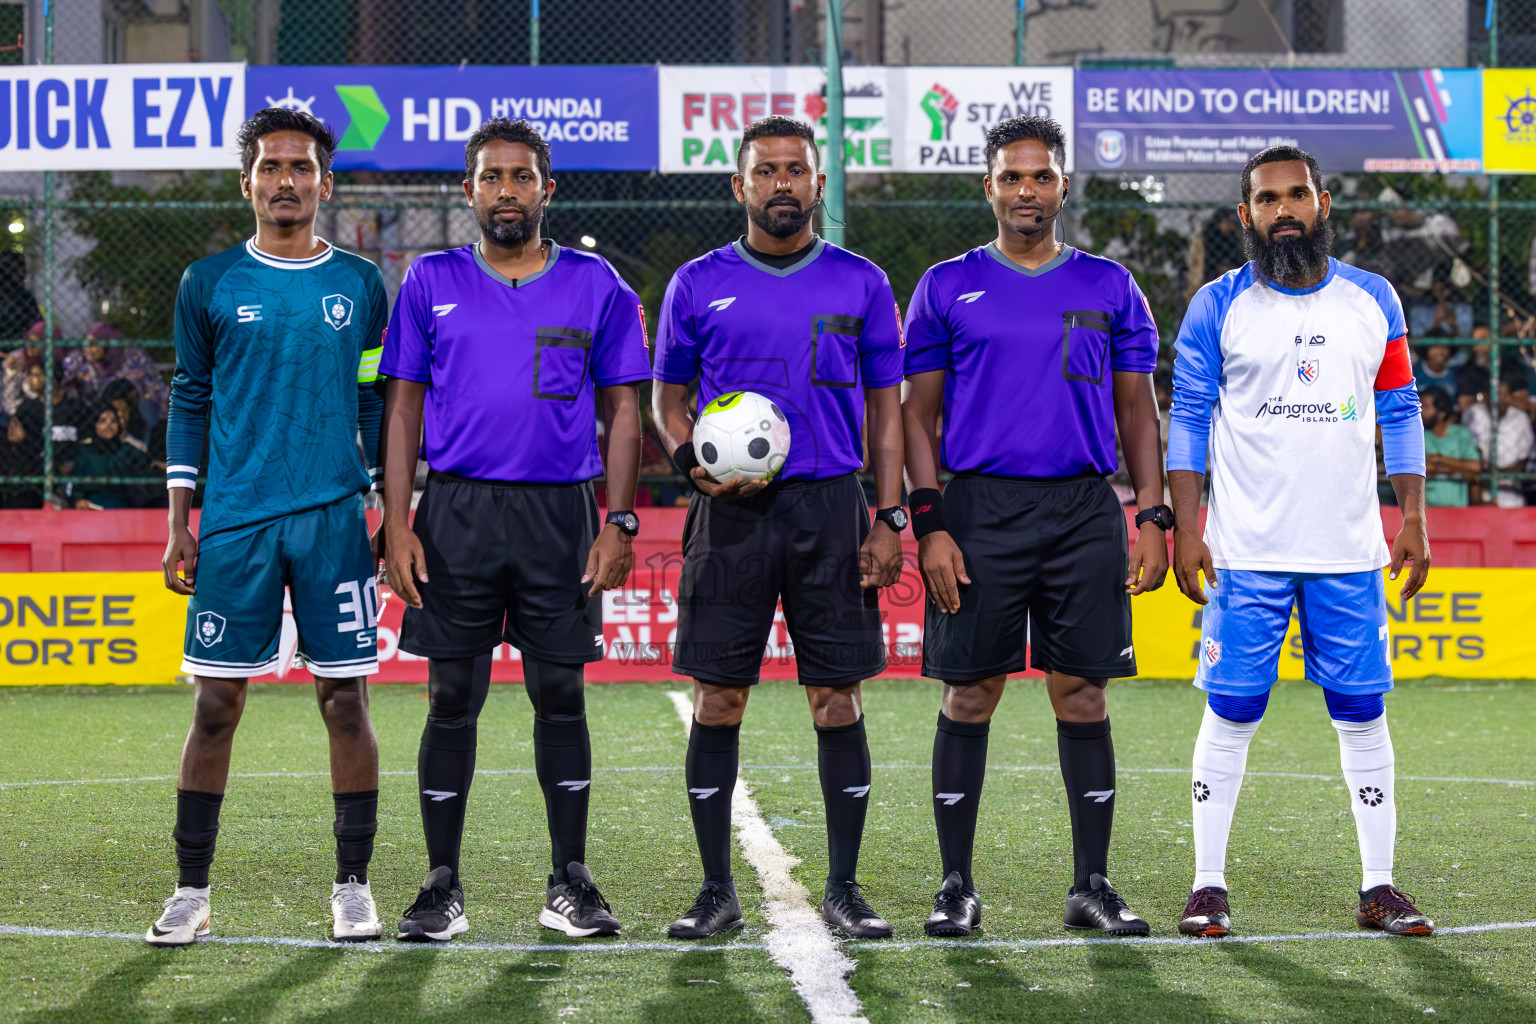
x=510 y=234
x=1290 y=262
x=781 y=227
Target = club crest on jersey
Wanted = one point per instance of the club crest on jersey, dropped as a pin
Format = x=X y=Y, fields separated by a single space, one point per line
x=1307 y=371
x=337 y=310
x=210 y=628
x=1212 y=650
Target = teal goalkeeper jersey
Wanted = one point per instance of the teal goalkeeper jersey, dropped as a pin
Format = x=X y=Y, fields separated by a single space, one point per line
x=278 y=358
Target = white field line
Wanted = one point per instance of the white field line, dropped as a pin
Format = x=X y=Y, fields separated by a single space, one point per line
x=765 y=768
x=797 y=939
x=1169 y=941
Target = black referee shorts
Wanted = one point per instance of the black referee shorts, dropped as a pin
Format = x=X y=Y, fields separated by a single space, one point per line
x=504 y=562
x=798 y=540
x=1051 y=554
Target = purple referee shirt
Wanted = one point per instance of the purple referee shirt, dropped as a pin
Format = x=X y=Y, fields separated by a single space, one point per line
x=1028 y=356
x=510 y=365
x=810 y=336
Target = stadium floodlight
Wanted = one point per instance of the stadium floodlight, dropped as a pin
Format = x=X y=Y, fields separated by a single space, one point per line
x=589 y=241
x=17 y=227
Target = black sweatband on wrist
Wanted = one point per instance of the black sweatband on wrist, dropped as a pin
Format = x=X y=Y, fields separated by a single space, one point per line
x=685 y=461
x=927 y=506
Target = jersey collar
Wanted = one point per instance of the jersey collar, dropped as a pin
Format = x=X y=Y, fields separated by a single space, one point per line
x=992 y=250
x=286 y=264
x=522 y=282
x=1333 y=268
x=801 y=264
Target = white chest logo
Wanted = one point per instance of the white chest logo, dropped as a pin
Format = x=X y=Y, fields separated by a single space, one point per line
x=969 y=297
x=337 y=310
x=722 y=304
x=444 y=309
x=247 y=314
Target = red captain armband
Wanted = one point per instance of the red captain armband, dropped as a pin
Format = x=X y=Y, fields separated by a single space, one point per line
x=1396 y=369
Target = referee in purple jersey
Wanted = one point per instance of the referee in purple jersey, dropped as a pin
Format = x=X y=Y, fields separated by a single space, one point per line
x=1035 y=352
x=502 y=350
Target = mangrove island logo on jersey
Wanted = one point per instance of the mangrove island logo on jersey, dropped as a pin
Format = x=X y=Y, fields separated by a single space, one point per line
x=1307 y=412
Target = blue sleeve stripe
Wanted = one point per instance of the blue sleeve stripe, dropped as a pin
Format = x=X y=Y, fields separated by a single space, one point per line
x=1402 y=430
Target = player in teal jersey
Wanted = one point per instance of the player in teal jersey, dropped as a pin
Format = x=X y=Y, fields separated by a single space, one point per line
x=277 y=349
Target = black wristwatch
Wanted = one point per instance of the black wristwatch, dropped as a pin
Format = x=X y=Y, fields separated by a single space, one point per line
x=895 y=517
x=1160 y=516
x=627 y=522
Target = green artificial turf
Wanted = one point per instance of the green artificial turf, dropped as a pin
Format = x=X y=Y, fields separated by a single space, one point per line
x=97 y=856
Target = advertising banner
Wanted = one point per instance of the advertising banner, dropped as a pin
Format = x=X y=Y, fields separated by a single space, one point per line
x=597 y=118
x=122 y=117
x=1187 y=120
x=1509 y=120
x=127 y=628
x=928 y=119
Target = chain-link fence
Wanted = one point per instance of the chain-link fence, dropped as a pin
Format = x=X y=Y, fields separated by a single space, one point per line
x=99 y=255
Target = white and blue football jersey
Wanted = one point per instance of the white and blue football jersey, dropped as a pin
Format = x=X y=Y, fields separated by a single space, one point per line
x=1290 y=384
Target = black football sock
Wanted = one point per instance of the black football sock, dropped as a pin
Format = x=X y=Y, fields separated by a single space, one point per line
x=959 y=768
x=710 y=774
x=196 y=832
x=445 y=764
x=842 y=756
x=562 y=756
x=1088 y=769
x=357 y=822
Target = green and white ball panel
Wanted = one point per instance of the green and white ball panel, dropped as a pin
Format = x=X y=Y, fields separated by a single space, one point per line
x=741 y=436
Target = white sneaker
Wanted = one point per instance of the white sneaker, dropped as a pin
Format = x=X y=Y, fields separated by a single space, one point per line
x=353 y=914
x=186 y=918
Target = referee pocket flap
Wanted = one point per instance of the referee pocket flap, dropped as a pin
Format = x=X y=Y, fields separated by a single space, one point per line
x=560 y=362
x=1084 y=345
x=835 y=350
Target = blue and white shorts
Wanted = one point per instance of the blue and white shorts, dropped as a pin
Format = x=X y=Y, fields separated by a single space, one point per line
x=1344 y=635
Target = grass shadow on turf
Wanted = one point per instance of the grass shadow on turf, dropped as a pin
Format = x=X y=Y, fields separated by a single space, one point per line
x=1126 y=987
x=394 y=981
x=699 y=988
x=112 y=993
x=1444 y=981
x=1319 y=994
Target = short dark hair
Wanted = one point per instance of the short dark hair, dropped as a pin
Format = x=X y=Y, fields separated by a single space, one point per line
x=1277 y=155
x=1016 y=129
x=505 y=129
x=278 y=119
x=1441 y=399
x=775 y=125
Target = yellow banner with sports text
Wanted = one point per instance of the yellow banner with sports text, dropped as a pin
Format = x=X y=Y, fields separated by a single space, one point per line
x=1469 y=623
x=89 y=627
x=126 y=628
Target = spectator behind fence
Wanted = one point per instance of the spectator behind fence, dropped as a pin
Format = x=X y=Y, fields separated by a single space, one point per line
x=68 y=414
x=1445 y=313
x=93 y=367
x=1514 y=435
x=13 y=372
x=18 y=306
x=21 y=454
x=108 y=451
x=1451 y=456
x=1434 y=369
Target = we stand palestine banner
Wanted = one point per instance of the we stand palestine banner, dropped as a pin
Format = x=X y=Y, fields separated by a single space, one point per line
x=926 y=119
x=1384 y=120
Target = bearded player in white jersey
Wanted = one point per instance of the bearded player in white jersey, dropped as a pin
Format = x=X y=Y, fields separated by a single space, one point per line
x=1285 y=367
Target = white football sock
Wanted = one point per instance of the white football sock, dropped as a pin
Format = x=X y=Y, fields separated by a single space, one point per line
x=1365 y=753
x=1221 y=757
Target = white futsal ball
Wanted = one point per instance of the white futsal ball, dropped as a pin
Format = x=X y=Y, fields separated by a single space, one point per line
x=741 y=436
